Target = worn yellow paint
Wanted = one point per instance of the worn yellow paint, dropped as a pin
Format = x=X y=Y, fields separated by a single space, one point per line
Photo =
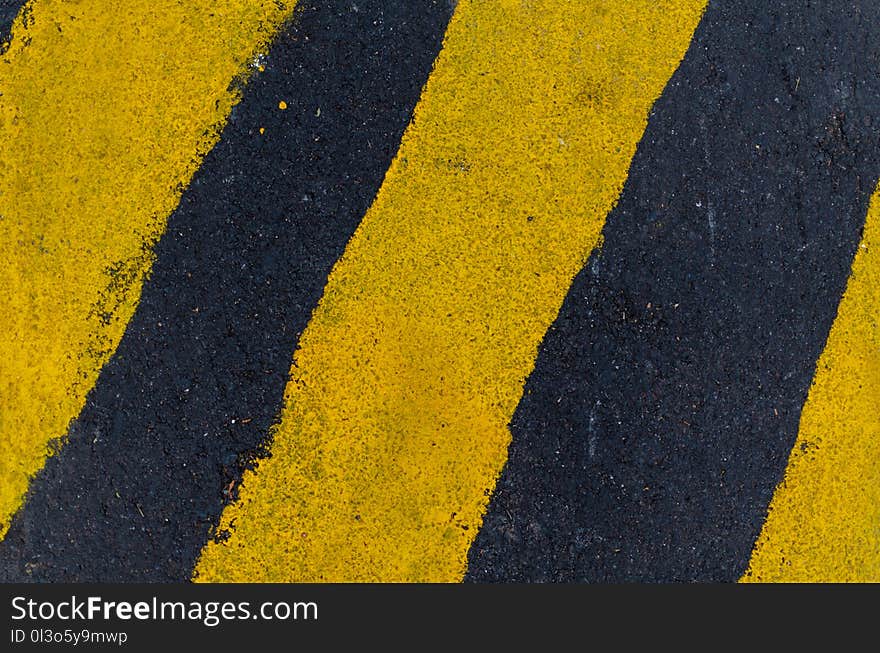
x=824 y=520
x=395 y=421
x=104 y=117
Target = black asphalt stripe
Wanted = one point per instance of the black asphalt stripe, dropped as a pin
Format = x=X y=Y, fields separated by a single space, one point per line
x=666 y=396
x=8 y=11
x=186 y=402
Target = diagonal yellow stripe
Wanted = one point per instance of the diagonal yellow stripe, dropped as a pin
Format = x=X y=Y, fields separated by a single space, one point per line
x=395 y=421
x=824 y=520
x=104 y=116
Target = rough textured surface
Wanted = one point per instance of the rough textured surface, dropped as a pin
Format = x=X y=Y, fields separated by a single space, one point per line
x=104 y=118
x=666 y=396
x=8 y=11
x=395 y=420
x=824 y=520
x=187 y=400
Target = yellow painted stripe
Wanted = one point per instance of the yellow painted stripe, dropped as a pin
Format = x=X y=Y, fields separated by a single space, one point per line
x=395 y=421
x=824 y=520
x=105 y=113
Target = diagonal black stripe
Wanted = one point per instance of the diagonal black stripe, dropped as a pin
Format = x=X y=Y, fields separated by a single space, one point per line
x=8 y=11
x=186 y=401
x=666 y=396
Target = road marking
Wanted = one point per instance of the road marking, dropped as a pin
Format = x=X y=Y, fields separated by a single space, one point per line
x=824 y=520
x=198 y=378
x=687 y=345
x=104 y=117
x=395 y=423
